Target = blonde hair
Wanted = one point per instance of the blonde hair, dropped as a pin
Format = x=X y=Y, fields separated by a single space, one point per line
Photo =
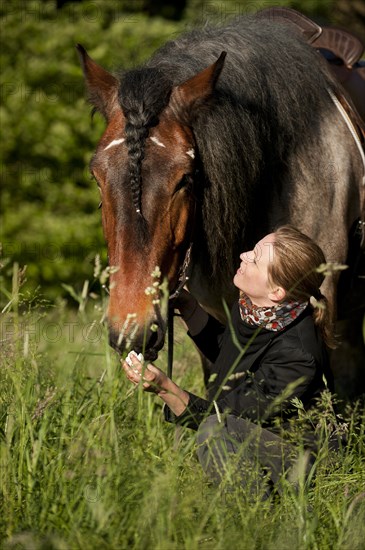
x=295 y=260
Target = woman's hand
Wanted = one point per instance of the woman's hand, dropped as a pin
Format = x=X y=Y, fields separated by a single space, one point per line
x=153 y=379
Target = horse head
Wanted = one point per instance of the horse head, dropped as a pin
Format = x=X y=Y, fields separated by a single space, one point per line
x=145 y=166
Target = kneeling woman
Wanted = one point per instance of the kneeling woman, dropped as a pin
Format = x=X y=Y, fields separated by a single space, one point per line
x=273 y=349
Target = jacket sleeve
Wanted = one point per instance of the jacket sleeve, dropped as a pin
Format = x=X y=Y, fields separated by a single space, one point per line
x=209 y=339
x=260 y=395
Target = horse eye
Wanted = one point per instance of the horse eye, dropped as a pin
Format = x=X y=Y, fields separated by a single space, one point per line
x=185 y=181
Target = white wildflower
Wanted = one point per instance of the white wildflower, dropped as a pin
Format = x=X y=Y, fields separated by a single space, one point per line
x=237 y=375
x=150 y=290
x=97 y=266
x=156 y=273
x=330 y=267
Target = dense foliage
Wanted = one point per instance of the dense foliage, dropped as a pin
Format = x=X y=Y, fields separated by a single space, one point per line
x=50 y=217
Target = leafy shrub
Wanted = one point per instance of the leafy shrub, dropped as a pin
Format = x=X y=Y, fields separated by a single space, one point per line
x=50 y=219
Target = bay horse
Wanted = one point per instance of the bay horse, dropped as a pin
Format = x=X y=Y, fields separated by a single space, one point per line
x=222 y=135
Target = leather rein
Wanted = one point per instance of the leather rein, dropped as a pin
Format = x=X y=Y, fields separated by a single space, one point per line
x=183 y=278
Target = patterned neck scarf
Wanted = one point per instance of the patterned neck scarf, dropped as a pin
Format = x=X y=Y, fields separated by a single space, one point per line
x=273 y=318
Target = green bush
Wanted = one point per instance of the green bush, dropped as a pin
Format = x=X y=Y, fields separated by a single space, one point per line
x=50 y=219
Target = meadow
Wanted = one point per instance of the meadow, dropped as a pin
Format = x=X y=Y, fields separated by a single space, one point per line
x=88 y=462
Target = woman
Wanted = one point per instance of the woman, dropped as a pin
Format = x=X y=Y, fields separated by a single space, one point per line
x=273 y=349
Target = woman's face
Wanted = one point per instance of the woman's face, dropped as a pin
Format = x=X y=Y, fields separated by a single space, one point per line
x=252 y=275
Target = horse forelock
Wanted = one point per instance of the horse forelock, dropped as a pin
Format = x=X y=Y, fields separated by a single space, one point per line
x=143 y=94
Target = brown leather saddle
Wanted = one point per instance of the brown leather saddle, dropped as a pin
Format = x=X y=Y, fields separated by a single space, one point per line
x=343 y=52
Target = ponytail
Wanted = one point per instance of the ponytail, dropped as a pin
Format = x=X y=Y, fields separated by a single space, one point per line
x=323 y=319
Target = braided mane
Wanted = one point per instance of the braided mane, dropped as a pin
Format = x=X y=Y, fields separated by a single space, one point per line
x=143 y=94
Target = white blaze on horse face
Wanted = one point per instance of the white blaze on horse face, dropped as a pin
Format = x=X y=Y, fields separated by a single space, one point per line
x=191 y=153
x=114 y=142
x=157 y=141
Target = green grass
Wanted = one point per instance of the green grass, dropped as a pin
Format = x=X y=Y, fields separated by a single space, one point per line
x=88 y=462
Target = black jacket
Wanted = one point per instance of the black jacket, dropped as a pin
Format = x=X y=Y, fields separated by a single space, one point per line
x=252 y=367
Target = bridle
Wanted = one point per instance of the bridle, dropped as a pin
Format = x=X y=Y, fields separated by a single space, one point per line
x=184 y=274
x=183 y=278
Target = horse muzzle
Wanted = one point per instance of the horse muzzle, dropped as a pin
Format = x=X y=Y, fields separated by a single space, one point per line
x=148 y=340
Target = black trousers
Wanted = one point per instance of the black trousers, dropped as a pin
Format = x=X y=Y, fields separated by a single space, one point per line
x=240 y=452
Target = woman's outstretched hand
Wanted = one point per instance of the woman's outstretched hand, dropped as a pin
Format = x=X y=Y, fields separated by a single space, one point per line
x=155 y=380
x=152 y=377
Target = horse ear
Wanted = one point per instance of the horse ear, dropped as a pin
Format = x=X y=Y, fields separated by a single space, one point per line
x=198 y=88
x=102 y=86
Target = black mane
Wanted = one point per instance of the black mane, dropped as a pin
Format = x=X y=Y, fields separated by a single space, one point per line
x=143 y=94
x=270 y=97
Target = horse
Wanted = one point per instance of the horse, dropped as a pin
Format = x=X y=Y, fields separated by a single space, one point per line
x=222 y=135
